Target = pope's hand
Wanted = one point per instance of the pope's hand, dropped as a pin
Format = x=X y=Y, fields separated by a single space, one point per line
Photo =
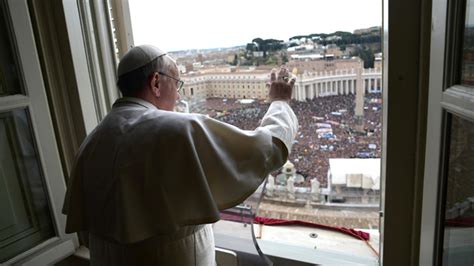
x=281 y=85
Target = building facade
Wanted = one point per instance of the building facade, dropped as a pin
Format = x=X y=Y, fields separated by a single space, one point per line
x=309 y=84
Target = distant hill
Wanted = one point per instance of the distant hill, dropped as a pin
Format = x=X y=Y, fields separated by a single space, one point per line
x=209 y=50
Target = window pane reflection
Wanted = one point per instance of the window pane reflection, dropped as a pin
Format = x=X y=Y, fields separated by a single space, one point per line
x=459 y=215
x=467 y=76
x=25 y=216
x=9 y=78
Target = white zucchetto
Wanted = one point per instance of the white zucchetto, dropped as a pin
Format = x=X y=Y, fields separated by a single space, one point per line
x=137 y=57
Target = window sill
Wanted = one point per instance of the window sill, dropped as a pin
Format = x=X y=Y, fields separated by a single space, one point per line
x=284 y=243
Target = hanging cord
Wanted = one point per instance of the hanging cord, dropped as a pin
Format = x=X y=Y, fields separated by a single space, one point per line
x=372 y=248
x=257 y=247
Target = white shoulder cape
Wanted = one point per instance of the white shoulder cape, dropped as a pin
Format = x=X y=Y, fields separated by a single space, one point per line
x=144 y=172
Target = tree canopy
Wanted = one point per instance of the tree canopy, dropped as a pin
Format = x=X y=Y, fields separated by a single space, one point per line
x=365 y=45
x=345 y=38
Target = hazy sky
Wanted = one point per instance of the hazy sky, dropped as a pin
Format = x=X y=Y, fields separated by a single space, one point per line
x=195 y=24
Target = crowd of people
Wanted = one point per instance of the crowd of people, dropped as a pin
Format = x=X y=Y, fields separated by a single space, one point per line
x=328 y=129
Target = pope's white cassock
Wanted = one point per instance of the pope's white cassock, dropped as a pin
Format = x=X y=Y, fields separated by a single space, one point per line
x=147 y=183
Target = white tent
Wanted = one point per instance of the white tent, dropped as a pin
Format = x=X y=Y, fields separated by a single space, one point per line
x=356 y=173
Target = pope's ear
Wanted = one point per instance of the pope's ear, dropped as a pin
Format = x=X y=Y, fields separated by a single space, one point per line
x=154 y=80
x=154 y=83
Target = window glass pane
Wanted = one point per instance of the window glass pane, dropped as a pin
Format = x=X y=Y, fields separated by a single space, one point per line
x=9 y=76
x=25 y=218
x=467 y=76
x=458 y=246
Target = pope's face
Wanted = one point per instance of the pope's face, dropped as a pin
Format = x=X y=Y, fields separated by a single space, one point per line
x=169 y=90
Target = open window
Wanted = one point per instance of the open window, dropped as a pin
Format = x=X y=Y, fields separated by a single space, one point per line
x=332 y=180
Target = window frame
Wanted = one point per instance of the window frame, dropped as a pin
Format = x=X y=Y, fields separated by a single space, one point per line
x=36 y=103
x=447 y=97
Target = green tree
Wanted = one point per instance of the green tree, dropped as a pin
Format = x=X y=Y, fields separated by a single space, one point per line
x=298 y=37
x=366 y=55
x=251 y=47
x=236 y=60
x=258 y=43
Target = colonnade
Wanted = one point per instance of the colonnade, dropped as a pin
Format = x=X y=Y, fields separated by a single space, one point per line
x=312 y=86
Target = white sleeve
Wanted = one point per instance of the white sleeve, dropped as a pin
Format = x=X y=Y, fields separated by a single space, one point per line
x=282 y=123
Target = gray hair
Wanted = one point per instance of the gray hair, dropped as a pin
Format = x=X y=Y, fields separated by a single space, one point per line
x=134 y=81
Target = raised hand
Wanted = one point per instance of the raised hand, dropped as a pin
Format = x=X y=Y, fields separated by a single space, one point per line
x=281 y=85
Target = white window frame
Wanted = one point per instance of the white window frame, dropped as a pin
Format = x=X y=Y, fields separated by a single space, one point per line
x=81 y=70
x=100 y=53
x=35 y=101
x=443 y=97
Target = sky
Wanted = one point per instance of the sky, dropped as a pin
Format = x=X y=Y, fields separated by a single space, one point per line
x=174 y=25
